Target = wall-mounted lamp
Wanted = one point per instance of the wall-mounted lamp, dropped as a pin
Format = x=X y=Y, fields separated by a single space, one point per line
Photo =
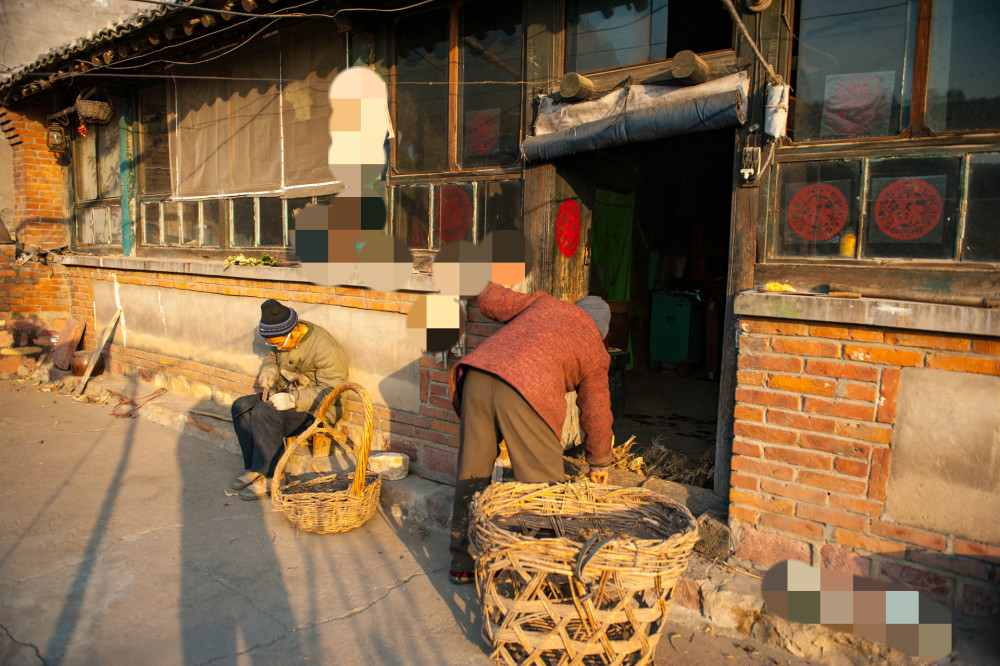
x=55 y=137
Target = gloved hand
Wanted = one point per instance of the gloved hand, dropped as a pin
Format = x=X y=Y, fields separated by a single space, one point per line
x=282 y=401
x=268 y=377
x=295 y=378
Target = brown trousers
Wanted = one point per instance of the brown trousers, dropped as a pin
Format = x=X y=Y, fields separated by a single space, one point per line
x=492 y=410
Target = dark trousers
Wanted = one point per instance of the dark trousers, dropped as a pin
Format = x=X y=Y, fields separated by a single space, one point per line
x=492 y=410
x=261 y=430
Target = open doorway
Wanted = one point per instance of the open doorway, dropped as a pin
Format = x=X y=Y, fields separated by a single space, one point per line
x=659 y=255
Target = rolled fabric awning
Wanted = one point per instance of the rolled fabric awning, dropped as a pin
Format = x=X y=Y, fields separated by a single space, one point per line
x=635 y=113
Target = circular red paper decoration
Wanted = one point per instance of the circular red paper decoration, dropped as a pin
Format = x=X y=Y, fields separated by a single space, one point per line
x=908 y=209
x=454 y=213
x=568 y=227
x=856 y=104
x=817 y=212
x=482 y=132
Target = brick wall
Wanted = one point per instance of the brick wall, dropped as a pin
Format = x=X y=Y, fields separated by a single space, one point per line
x=36 y=295
x=437 y=421
x=814 y=421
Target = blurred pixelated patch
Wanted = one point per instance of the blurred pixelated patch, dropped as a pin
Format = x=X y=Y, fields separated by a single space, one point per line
x=903 y=619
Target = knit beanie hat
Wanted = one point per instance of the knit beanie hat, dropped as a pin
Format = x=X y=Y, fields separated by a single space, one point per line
x=598 y=310
x=276 y=319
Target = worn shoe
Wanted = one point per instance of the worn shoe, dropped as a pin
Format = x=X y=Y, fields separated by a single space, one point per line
x=461 y=577
x=256 y=490
x=244 y=480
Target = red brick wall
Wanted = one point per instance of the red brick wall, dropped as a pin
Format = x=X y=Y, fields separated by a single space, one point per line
x=33 y=292
x=437 y=421
x=814 y=419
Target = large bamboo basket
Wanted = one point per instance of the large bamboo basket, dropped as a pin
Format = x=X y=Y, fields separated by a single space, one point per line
x=577 y=573
x=334 y=502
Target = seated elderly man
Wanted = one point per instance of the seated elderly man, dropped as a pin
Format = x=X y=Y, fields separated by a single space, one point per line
x=304 y=364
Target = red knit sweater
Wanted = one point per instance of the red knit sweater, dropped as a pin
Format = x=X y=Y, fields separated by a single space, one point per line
x=547 y=348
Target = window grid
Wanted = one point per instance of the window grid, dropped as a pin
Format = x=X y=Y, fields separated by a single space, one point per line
x=155 y=209
x=861 y=251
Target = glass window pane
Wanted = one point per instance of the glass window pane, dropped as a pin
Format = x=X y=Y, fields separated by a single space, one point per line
x=489 y=115
x=422 y=92
x=453 y=214
x=854 y=68
x=189 y=222
x=109 y=165
x=151 y=223
x=963 y=82
x=272 y=225
x=411 y=214
x=115 y=225
x=84 y=227
x=818 y=209
x=499 y=206
x=982 y=231
x=912 y=208
x=171 y=223
x=99 y=223
x=154 y=150
x=243 y=215
x=214 y=213
x=605 y=35
x=85 y=166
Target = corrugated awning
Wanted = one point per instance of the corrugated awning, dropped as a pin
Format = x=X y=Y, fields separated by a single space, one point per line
x=635 y=113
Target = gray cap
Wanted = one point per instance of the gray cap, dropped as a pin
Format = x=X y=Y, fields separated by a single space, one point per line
x=598 y=310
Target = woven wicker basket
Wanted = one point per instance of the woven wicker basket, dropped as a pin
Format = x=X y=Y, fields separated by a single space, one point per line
x=334 y=502
x=93 y=111
x=577 y=573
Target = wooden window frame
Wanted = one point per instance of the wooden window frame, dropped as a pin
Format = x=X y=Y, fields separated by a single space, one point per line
x=455 y=174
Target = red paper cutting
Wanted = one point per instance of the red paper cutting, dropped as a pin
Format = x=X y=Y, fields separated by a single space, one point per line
x=817 y=212
x=908 y=209
x=482 y=132
x=855 y=105
x=568 y=227
x=454 y=213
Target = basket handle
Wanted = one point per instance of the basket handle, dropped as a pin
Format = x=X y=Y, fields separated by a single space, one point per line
x=358 y=486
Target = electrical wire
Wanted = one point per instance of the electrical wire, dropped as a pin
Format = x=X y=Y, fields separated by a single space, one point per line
x=284 y=15
x=771 y=76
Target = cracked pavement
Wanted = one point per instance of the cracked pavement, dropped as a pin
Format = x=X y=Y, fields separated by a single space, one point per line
x=119 y=544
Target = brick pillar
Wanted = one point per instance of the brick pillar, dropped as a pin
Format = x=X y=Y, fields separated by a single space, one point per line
x=34 y=291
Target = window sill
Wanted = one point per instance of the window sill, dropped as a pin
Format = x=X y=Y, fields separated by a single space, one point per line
x=880 y=312
x=417 y=283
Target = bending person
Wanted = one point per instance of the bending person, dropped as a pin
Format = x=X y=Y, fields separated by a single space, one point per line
x=513 y=387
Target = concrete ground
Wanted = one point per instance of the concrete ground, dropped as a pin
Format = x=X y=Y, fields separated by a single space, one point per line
x=119 y=543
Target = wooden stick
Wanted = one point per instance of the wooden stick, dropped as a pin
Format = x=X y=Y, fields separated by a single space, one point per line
x=97 y=353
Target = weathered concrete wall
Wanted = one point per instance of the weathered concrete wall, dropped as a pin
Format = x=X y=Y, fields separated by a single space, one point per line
x=33 y=27
x=191 y=327
x=221 y=331
x=945 y=469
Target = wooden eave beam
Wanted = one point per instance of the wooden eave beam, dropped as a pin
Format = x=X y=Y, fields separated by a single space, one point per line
x=720 y=63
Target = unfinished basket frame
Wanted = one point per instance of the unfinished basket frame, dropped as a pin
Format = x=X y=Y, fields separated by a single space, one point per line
x=316 y=505
x=577 y=573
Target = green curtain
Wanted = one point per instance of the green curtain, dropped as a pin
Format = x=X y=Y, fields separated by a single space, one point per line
x=612 y=246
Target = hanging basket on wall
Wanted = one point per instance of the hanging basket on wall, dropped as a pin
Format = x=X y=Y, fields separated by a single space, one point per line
x=93 y=111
